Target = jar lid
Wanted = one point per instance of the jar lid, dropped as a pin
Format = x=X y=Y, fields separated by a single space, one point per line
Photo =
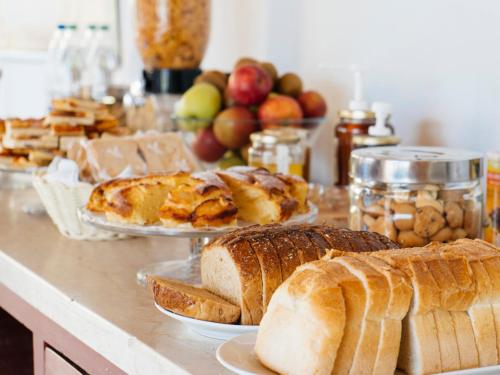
x=407 y=165
x=271 y=137
x=362 y=140
x=356 y=114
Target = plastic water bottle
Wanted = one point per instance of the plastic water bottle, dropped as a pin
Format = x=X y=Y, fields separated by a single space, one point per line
x=71 y=61
x=102 y=61
x=53 y=67
x=87 y=50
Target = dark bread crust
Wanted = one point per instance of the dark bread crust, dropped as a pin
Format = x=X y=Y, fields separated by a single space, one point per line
x=266 y=255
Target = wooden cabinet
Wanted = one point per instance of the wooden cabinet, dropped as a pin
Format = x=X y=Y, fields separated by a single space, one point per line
x=57 y=365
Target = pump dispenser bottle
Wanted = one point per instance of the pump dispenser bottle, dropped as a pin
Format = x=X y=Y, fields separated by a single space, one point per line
x=355 y=120
x=380 y=134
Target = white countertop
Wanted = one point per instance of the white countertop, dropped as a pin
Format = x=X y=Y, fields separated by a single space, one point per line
x=89 y=289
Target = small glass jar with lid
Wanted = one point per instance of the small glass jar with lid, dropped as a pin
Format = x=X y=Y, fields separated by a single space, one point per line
x=415 y=195
x=279 y=150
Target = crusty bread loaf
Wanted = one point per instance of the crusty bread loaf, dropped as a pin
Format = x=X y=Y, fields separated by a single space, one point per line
x=193 y=302
x=451 y=325
x=304 y=326
x=247 y=265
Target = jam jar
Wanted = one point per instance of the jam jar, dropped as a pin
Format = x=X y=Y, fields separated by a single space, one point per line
x=415 y=195
x=279 y=150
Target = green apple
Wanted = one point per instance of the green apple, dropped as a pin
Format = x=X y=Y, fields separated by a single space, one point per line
x=200 y=103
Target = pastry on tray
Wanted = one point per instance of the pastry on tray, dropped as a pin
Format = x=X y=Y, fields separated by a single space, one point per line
x=208 y=199
x=199 y=200
x=261 y=197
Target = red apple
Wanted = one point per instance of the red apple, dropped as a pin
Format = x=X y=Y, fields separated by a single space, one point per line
x=249 y=85
x=278 y=108
x=233 y=126
x=312 y=104
x=206 y=147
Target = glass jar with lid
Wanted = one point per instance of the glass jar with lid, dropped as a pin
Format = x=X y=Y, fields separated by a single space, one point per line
x=415 y=195
x=279 y=150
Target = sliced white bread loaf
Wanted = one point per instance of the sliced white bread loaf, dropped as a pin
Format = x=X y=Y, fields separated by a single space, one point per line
x=193 y=302
x=247 y=265
x=304 y=325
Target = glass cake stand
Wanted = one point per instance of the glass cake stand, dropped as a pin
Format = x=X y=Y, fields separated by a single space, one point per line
x=186 y=270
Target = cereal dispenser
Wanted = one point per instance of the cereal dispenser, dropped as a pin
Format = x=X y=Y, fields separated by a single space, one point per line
x=172 y=36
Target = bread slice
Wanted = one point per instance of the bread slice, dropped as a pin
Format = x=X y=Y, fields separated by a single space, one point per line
x=355 y=304
x=304 y=325
x=307 y=251
x=377 y=292
x=420 y=351
x=287 y=252
x=270 y=267
x=317 y=239
x=193 y=302
x=230 y=268
x=462 y=275
x=399 y=303
x=481 y=312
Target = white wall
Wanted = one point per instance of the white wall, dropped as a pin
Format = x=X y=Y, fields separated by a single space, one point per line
x=436 y=61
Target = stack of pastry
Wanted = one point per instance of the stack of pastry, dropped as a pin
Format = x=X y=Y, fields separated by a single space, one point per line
x=34 y=142
x=422 y=310
x=73 y=119
x=211 y=199
x=27 y=143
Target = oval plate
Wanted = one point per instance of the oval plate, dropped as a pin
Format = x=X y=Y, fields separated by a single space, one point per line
x=217 y=331
x=100 y=221
x=238 y=356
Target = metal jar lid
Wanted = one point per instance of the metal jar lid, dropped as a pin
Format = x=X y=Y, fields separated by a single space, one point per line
x=272 y=137
x=357 y=115
x=365 y=140
x=408 y=165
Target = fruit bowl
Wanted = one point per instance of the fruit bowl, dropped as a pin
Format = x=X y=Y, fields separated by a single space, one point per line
x=199 y=134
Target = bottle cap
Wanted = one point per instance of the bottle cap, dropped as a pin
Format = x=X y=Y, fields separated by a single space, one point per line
x=61 y=26
x=382 y=112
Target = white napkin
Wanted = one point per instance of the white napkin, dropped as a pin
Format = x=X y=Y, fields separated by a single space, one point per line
x=63 y=170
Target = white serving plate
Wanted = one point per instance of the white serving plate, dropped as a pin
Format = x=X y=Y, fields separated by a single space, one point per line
x=217 y=331
x=99 y=220
x=238 y=356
